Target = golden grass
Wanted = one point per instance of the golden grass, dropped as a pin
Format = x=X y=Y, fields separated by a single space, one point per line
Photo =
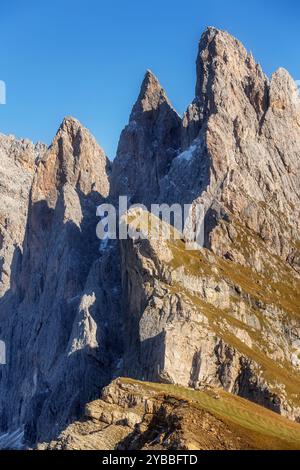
x=263 y=428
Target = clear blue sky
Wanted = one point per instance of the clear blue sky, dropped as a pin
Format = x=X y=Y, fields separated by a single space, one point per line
x=87 y=58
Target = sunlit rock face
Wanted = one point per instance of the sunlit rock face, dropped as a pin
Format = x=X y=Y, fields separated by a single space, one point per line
x=228 y=314
x=75 y=313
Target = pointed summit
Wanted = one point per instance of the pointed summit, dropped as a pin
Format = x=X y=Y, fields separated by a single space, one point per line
x=147 y=145
x=69 y=122
x=284 y=95
x=213 y=37
x=218 y=49
x=70 y=129
x=150 y=83
x=151 y=96
x=73 y=158
x=223 y=65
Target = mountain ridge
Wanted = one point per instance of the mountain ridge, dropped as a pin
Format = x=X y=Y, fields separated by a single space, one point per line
x=75 y=316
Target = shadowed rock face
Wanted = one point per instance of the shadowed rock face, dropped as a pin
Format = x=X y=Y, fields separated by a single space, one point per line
x=18 y=160
x=147 y=146
x=73 y=316
x=53 y=321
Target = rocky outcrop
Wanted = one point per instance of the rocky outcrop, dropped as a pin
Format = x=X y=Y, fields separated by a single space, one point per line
x=244 y=117
x=227 y=316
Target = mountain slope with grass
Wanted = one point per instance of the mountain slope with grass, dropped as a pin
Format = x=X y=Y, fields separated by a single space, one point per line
x=134 y=415
x=195 y=318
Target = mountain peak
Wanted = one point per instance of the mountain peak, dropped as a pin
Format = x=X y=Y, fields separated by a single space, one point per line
x=224 y=63
x=70 y=125
x=150 y=80
x=74 y=157
x=212 y=35
x=151 y=96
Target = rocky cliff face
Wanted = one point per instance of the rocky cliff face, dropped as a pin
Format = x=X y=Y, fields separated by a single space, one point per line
x=18 y=160
x=227 y=314
x=54 y=319
x=75 y=313
x=194 y=318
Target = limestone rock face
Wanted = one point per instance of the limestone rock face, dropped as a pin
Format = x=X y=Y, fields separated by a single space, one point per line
x=254 y=164
x=18 y=160
x=74 y=159
x=195 y=318
x=54 y=320
x=206 y=316
x=75 y=313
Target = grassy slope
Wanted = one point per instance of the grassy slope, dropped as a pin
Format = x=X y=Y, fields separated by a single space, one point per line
x=262 y=428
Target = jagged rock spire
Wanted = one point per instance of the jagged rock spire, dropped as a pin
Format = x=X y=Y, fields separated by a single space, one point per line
x=69 y=124
x=147 y=145
x=74 y=157
x=284 y=96
x=225 y=69
x=151 y=96
x=216 y=46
